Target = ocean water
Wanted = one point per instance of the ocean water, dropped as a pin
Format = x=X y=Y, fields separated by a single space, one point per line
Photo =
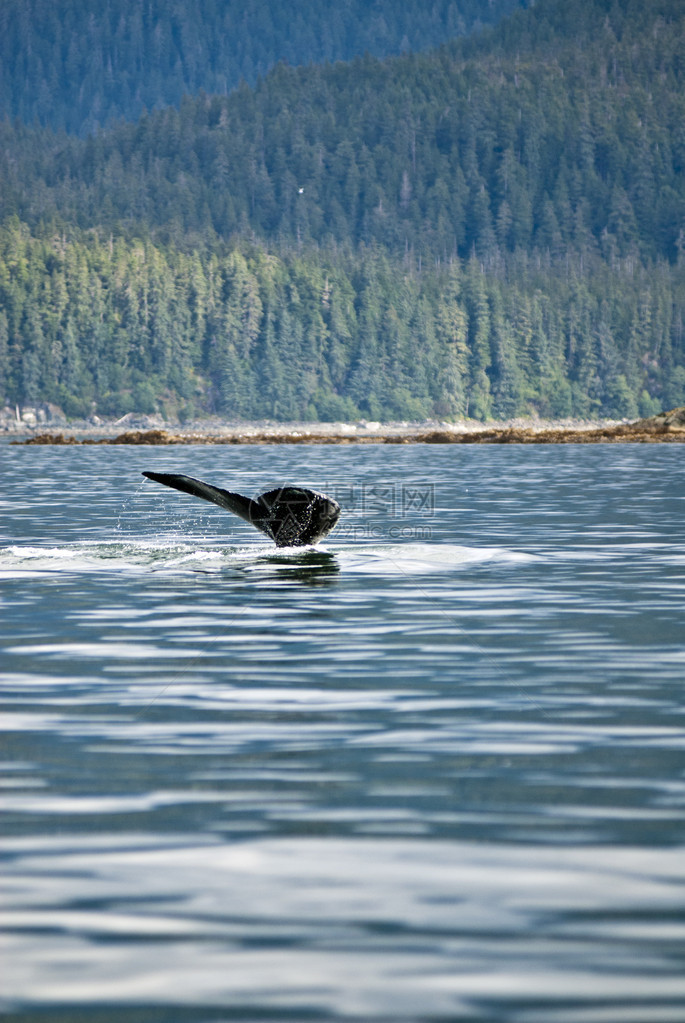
x=433 y=769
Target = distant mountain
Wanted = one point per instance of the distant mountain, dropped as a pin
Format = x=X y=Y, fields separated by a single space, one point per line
x=550 y=132
x=80 y=64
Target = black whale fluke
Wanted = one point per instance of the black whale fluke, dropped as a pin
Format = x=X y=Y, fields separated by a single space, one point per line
x=291 y=516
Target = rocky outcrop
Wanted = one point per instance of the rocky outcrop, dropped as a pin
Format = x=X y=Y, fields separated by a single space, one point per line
x=671 y=422
x=26 y=417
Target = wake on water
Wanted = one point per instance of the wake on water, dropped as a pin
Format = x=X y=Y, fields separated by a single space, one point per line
x=379 y=559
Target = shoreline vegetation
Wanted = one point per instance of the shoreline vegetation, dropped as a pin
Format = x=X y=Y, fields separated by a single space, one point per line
x=668 y=427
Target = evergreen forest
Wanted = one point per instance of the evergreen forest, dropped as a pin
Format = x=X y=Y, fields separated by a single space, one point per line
x=489 y=228
x=78 y=65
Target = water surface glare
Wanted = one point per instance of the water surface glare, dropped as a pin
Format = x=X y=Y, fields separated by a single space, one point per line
x=431 y=770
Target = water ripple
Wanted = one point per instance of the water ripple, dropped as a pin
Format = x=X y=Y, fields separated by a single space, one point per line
x=430 y=770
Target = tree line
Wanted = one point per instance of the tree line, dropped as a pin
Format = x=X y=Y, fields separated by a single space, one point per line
x=98 y=323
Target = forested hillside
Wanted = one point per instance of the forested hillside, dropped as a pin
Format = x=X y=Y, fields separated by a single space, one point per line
x=492 y=228
x=79 y=64
x=518 y=145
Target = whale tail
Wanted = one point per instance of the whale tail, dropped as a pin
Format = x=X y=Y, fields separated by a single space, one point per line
x=235 y=503
x=291 y=516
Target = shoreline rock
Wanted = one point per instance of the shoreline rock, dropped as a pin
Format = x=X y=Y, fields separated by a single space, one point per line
x=667 y=427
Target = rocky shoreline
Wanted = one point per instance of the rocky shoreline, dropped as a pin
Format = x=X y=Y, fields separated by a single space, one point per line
x=668 y=427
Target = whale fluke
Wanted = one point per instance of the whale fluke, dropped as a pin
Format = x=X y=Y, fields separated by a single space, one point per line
x=291 y=516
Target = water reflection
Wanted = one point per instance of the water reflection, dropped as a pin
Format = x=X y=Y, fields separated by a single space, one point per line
x=314 y=567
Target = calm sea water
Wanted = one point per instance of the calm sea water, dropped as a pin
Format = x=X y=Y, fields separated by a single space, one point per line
x=432 y=770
